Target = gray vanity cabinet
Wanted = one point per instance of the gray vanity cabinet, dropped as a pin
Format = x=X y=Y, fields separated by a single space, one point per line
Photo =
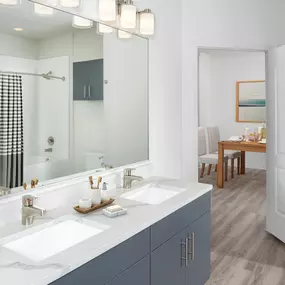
x=199 y=249
x=88 y=80
x=185 y=258
x=138 y=274
x=167 y=263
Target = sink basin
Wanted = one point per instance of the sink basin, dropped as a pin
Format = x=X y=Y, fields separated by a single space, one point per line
x=54 y=238
x=150 y=194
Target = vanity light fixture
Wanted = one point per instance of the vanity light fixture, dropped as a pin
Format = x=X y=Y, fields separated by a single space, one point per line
x=81 y=23
x=146 y=22
x=43 y=10
x=9 y=2
x=69 y=3
x=103 y=29
x=128 y=15
x=124 y=35
x=107 y=10
x=18 y=29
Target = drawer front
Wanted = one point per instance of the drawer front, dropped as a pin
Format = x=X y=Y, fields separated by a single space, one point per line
x=110 y=264
x=138 y=274
x=176 y=222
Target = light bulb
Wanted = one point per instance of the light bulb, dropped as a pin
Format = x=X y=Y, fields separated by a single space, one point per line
x=69 y=3
x=124 y=35
x=9 y=2
x=81 y=23
x=147 y=23
x=107 y=10
x=103 y=29
x=43 y=10
x=128 y=18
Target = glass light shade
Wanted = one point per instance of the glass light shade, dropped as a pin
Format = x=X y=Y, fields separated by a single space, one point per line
x=9 y=2
x=147 y=23
x=128 y=18
x=103 y=29
x=107 y=10
x=69 y=3
x=43 y=10
x=81 y=23
x=124 y=35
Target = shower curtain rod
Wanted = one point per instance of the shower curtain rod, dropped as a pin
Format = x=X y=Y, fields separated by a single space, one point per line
x=47 y=76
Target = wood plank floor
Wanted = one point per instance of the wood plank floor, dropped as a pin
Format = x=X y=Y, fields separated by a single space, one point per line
x=243 y=253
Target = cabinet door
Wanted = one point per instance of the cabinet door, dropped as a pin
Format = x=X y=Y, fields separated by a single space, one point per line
x=199 y=251
x=95 y=71
x=138 y=274
x=80 y=81
x=168 y=262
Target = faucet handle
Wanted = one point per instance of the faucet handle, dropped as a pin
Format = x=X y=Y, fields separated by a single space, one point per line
x=28 y=200
x=128 y=171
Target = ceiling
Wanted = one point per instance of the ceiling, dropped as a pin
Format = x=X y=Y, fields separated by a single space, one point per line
x=34 y=25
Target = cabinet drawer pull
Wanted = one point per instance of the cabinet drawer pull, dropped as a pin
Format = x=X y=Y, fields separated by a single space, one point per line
x=89 y=91
x=192 y=239
x=184 y=245
x=84 y=92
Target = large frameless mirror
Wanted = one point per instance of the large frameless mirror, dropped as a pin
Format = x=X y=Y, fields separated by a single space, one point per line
x=72 y=99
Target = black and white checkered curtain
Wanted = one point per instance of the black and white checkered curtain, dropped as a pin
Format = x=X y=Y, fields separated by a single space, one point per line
x=11 y=131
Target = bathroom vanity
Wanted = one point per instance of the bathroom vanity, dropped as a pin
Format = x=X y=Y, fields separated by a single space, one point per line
x=164 y=240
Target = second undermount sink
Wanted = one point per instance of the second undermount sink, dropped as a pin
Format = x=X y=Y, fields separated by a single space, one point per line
x=151 y=194
x=53 y=238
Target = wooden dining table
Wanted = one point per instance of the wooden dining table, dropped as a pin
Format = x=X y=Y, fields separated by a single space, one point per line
x=243 y=147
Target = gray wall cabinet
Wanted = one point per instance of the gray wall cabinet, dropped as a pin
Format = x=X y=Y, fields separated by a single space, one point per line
x=175 y=250
x=88 y=80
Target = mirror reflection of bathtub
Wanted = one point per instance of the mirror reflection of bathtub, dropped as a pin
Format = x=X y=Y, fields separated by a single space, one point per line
x=45 y=168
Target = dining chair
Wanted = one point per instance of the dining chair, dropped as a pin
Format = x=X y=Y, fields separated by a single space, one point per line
x=208 y=158
x=213 y=138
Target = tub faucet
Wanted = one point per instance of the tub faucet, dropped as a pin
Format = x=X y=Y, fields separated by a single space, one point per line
x=29 y=210
x=48 y=149
x=129 y=178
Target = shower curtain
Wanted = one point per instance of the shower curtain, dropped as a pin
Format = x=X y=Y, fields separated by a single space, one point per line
x=11 y=131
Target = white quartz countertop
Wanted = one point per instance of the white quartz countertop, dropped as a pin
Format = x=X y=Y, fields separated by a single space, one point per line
x=16 y=269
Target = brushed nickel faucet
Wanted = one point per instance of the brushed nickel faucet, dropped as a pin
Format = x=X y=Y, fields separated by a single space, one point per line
x=129 y=178
x=29 y=210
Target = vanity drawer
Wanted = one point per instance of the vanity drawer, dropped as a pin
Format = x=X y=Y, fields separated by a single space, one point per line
x=176 y=222
x=110 y=264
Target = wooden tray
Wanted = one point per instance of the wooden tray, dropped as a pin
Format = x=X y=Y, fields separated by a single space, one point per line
x=94 y=207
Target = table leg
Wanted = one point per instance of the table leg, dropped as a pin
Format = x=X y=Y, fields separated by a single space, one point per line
x=242 y=162
x=220 y=174
x=232 y=167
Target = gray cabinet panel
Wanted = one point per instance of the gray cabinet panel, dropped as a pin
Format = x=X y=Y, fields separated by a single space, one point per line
x=80 y=81
x=171 y=225
x=138 y=274
x=167 y=265
x=88 y=80
x=198 y=271
x=110 y=264
x=95 y=68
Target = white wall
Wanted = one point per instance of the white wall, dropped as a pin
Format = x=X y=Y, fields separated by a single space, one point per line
x=218 y=73
x=87 y=128
x=18 y=47
x=53 y=107
x=125 y=100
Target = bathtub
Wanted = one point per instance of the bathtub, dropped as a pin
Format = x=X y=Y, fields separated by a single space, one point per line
x=45 y=168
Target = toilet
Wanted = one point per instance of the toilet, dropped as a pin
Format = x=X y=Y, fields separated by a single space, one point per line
x=93 y=160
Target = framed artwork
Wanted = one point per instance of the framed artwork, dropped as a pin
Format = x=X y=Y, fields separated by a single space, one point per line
x=251 y=101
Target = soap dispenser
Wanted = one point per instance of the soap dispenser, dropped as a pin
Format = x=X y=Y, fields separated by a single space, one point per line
x=104 y=192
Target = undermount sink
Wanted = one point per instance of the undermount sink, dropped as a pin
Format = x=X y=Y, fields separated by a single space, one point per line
x=151 y=194
x=52 y=238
